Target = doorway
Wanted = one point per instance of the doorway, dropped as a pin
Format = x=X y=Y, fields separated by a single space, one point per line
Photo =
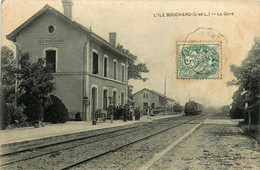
x=94 y=101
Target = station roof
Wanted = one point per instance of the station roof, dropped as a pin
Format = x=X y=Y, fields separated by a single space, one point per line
x=155 y=92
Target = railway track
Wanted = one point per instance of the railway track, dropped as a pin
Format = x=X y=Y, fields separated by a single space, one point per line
x=22 y=156
x=134 y=142
x=70 y=144
x=52 y=149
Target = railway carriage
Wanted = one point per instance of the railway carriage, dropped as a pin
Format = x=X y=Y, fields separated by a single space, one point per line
x=193 y=108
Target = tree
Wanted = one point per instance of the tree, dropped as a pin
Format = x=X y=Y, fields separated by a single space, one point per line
x=238 y=105
x=225 y=109
x=35 y=85
x=177 y=108
x=11 y=111
x=130 y=91
x=8 y=78
x=134 y=70
x=248 y=79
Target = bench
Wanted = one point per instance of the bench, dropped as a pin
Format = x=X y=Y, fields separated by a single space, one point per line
x=101 y=115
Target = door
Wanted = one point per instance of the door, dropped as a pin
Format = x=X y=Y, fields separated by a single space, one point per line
x=94 y=102
x=145 y=105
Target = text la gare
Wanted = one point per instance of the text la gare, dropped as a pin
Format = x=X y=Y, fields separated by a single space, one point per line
x=225 y=13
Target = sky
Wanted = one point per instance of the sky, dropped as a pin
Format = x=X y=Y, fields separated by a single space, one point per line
x=153 y=39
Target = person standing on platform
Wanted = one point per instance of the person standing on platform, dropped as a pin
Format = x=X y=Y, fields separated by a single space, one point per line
x=131 y=110
x=151 y=112
x=148 y=112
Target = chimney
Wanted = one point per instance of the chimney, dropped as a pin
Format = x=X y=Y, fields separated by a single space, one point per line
x=67 y=7
x=112 y=38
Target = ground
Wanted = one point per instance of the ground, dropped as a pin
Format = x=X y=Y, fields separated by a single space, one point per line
x=216 y=144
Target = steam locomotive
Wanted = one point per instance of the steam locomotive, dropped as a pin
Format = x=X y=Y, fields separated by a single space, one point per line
x=192 y=108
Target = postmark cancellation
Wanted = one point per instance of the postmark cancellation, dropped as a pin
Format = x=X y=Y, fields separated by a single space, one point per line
x=198 y=59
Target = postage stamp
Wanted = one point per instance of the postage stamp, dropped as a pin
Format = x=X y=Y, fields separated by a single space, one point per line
x=198 y=60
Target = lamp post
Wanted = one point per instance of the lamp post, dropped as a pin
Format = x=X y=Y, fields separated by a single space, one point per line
x=86 y=103
x=93 y=111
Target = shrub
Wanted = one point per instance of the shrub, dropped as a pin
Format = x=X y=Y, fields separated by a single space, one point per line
x=55 y=111
x=236 y=113
x=33 y=108
x=255 y=115
x=11 y=112
x=34 y=111
x=5 y=116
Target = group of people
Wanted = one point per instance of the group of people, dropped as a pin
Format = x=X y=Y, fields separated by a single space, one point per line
x=128 y=112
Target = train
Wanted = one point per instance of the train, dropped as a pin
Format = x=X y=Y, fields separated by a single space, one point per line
x=192 y=108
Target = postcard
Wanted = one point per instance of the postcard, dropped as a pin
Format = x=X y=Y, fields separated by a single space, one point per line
x=130 y=84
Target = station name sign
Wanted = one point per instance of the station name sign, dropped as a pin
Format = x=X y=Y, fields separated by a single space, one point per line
x=53 y=40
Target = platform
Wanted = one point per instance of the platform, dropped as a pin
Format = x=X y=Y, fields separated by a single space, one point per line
x=28 y=137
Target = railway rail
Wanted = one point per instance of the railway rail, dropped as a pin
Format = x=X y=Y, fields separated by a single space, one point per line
x=69 y=144
x=151 y=129
x=124 y=166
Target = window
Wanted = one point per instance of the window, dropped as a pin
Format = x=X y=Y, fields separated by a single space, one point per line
x=95 y=63
x=115 y=69
x=105 y=99
x=153 y=105
x=145 y=95
x=122 y=99
x=51 y=29
x=105 y=66
x=123 y=73
x=51 y=60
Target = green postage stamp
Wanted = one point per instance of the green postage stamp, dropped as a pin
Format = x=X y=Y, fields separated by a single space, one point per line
x=198 y=60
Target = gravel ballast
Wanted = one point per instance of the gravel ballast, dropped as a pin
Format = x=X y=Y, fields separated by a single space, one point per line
x=213 y=146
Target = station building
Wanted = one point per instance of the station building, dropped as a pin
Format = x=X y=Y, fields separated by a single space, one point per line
x=152 y=99
x=89 y=71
